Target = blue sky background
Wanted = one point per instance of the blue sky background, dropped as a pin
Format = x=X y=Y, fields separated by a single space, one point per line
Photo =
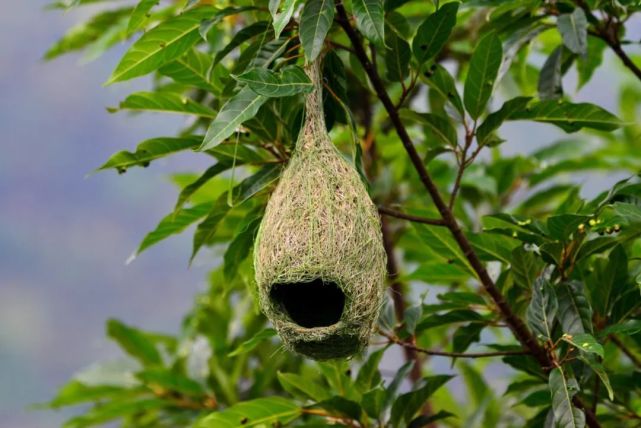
x=64 y=238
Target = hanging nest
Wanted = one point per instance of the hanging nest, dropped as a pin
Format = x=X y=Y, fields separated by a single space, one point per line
x=319 y=257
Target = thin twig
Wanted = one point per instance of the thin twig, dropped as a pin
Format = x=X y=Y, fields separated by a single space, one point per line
x=413 y=218
x=397 y=341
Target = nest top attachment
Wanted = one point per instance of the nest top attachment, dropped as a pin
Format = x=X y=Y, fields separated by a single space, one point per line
x=319 y=257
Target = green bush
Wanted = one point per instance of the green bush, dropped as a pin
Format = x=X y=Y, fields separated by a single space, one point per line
x=492 y=258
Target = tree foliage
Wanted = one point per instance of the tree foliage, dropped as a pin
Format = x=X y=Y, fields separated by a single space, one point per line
x=493 y=257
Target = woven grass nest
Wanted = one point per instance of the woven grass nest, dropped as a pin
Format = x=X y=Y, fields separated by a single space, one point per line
x=319 y=257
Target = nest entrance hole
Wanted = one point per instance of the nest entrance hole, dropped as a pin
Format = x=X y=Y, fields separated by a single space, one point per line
x=310 y=304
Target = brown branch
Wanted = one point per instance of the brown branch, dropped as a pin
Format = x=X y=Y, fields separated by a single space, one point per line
x=609 y=33
x=436 y=353
x=413 y=218
x=619 y=343
x=518 y=327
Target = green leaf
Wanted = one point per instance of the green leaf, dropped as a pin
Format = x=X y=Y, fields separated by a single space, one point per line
x=496 y=119
x=251 y=344
x=282 y=18
x=584 y=342
x=190 y=69
x=569 y=117
x=162 y=44
x=75 y=392
x=134 y=342
x=575 y=312
x=587 y=64
x=261 y=412
x=434 y=32
x=206 y=229
x=609 y=277
x=140 y=15
x=81 y=36
x=373 y=401
x=342 y=407
x=173 y=224
x=240 y=247
x=164 y=102
x=574 y=31
x=490 y=246
x=296 y=384
x=392 y=388
x=370 y=19
x=116 y=409
x=246 y=33
x=148 y=151
x=563 y=390
x=368 y=376
x=242 y=107
x=440 y=80
x=439 y=239
x=526 y=267
x=290 y=81
x=465 y=335
x=439 y=273
x=171 y=381
x=550 y=85
x=406 y=405
x=441 y=127
x=397 y=57
x=426 y=421
x=187 y=192
x=315 y=22
x=598 y=368
x=542 y=309
x=484 y=67
x=563 y=226
x=253 y=184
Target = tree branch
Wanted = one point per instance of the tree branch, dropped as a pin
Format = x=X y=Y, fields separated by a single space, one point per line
x=519 y=329
x=413 y=218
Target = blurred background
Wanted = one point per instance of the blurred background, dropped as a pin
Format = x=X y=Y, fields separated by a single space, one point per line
x=64 y=237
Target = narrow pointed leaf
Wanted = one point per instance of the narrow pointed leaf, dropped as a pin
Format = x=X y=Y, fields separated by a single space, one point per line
x=290 y=81
x=140 y=15
x=542 y=310
x=406 y=406
x=134 y=342
x=174 y=224
x=574 y=31
x=162 y=44
x=165 y=102
x=370 y=19
x=569 y=117
x=148 y=151
x=252 y=343
x=575 y=312
x=584 y=342
x=484 y=67
x=190 y=69
x=432 y=35
x=315 y=22
x=242 y=107
x=563 y=390
x=261 y=412
x=282 y=18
